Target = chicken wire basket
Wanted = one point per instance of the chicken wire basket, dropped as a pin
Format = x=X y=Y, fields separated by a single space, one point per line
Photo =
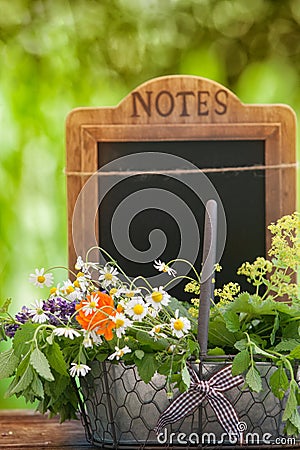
x=120 y=411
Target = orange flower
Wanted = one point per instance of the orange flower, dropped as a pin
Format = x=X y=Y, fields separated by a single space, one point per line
x=94 y=314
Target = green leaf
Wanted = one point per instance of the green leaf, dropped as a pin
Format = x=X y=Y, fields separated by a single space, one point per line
x=102 y=357
x=287 y=345
x=193 y=347
x=241 y=362
x=37 y=387
x=253 y=379
x=5 y=306
x=56 y=359
x=232 y=321
x=291 y=404
x=40 y=363
x=176 y=304
x=275 y=329
x=8 y=363
x=295 y=353
x=219 y=335
x=186 y=377
x=23 y=382
x=139 y=354
x=147 y=367
x=295 y=420
x=23 y=337
x=155 y=344
x=241 y=345
x=279 y=382
x=216 y=351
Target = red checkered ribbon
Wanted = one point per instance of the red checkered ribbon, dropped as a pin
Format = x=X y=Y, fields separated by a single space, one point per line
x=211 y=390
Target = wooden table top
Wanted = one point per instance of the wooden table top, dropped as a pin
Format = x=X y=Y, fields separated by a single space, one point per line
x=24 y=429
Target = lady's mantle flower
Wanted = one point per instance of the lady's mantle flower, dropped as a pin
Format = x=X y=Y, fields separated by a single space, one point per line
x=180 y=325
x=37 y=312
x=162 y=267
x=108 y=276
x=122 y=322
x=40 y=278
x=66 y=332
x=158 y=298
x=79 y=370
x=100 y=319
x=136 y=308
x=119 y=352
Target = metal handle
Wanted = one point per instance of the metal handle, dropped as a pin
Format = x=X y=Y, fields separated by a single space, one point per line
x=207 y=274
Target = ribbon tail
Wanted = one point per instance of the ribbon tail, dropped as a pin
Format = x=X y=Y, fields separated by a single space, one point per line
x=225 y=413
x=183 y=405
x=223 y=380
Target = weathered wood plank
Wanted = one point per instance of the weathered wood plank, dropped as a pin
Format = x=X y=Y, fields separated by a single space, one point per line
x=21 y=429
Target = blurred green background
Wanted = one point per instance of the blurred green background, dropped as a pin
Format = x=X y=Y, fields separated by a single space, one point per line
x=57 y=55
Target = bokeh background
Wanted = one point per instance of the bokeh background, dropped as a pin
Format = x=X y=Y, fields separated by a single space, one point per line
x=57 y=55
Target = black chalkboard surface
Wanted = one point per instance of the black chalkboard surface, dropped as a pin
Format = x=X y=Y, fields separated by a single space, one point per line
x=242 y=194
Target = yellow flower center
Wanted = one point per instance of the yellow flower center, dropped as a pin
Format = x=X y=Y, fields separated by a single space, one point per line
x=120 y=353
x=119 y=323
x=76 y=283
x=165 y=269
x=113 y=291
x=130 y=294
x=93 y=304
x=41 y=279
x=178 y=324
x=157 y=296
x=108 y=276
x=120 y=308
x=80 y=274
x=53 y=290
x=157 y=329
x=138 y=309
x=69 y=289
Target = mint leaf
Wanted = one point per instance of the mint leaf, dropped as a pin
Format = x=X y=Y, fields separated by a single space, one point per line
x=295 y=353
x=37 y=387
x=22 y=383
x=8 y=363
x=215 y=351
x=279 y=382
x=291 y=404
x=102 y=357
x=139 y=354
x=40 y=363
x=295 y=420
x=147 y=367
x=241 y=345
x=155 y=344
x=186 y=377
x=253 y=379
x=287 y=345
x=241 y=362
x=23 y=337
x=56 y=359
x=232 y=321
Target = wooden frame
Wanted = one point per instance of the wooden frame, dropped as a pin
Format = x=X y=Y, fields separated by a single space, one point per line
x=182 y=108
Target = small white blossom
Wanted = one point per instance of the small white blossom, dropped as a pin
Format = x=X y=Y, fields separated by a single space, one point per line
x=79 y=370
x=180 y=325
x=66 y=332
x=136 y=308
x=158 y=298
x=79 y=263
x=70 y=291
x=90 y=307
x=122 y=322
x=119 y=352
x=108 y=276
x=91 y=338
x=40 y=278
x=163 y=267
x=156 y=331
x=37 y=312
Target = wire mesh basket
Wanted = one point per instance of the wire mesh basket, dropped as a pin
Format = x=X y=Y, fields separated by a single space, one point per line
x=120 y=411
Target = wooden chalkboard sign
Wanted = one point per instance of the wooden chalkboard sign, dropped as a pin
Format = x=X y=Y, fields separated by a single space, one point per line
x=246 y=151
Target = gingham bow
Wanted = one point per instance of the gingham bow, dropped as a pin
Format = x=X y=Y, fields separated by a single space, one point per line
x=211 y=389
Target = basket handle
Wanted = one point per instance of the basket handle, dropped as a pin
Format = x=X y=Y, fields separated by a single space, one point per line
x=207 y=274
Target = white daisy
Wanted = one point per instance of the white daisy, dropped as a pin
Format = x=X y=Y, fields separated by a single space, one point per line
x=91 y=338
x=70 y=291
x=55 y=291
x=37 y=312
x=156 y=331
x=158 y=298
x=122 y=322
x=136 y=308
x=108 y=276
x=66 y=332
x=82 y=281
x=40 y=278
x=128 y=293
x=90 y=306
x=79 y=370
x=119 y=352
x=180 y=325
x=163 y=267
x=79 y=263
